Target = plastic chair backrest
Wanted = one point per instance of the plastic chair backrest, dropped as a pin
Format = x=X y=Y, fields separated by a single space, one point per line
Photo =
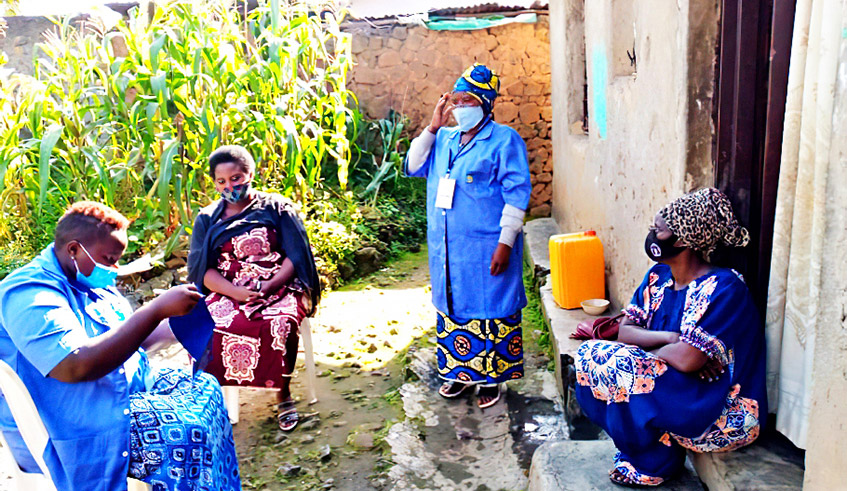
x=33 y=432
x=25 y=414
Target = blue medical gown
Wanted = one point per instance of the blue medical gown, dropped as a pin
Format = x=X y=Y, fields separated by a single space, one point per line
x=490 y=171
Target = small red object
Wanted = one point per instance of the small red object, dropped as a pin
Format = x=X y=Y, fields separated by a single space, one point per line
x=590 y=232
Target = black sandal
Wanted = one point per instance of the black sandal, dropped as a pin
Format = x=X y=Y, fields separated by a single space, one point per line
x=287 y=416
x=491 y=392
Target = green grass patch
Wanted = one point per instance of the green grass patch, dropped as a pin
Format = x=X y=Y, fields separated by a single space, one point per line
x=536 y=333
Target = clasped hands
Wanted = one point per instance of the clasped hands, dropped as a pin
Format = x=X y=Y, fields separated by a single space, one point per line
x=252 y=290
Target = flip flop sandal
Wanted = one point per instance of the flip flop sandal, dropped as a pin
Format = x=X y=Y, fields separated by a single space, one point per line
x=287 y=418
x=446 y=389
x=483 y=405
x=619 y=477
x=621 y=480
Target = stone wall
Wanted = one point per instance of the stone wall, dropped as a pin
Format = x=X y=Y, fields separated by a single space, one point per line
x=637 y=153
x=408 y=68
x=20 y=38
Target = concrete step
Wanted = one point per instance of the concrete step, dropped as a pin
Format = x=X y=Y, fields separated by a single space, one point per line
x=536 y=235
x=560 y=322
x=772 y=463
x=584 y=466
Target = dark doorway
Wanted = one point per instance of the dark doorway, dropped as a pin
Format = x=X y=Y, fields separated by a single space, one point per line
x=751 y=81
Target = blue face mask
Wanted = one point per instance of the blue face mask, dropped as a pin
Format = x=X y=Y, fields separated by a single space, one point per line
x=467 y=117
x=100 y=277
x=236 y=194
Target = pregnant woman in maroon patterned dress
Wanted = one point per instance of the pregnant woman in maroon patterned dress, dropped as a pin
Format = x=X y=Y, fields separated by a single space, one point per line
x=250 y=253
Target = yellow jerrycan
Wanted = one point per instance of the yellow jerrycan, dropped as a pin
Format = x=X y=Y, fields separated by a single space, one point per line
x=577 y=268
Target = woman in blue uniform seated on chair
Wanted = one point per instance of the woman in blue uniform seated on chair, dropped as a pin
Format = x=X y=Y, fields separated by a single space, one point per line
x=478 y=188
x=689 y=369
x=250 y=252
x=77 y=346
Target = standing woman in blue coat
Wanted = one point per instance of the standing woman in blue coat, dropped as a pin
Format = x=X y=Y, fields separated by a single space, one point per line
x=478 y=189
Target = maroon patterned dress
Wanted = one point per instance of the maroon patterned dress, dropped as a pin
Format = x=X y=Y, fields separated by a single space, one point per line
x=255 y=343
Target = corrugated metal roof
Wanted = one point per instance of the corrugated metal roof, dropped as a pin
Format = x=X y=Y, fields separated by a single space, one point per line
x=380 y=9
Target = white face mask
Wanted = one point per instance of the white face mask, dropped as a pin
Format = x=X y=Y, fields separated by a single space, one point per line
x=467 y=116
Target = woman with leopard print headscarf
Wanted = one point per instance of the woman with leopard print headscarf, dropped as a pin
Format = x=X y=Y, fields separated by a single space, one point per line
x=688 y=370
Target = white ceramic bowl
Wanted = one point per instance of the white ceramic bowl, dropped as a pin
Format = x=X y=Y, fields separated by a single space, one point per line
x=595 y=306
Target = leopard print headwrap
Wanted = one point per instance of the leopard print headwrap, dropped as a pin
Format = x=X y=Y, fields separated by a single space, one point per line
x=703 y=219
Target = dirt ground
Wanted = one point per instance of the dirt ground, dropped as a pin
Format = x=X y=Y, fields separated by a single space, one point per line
x=378 y=409
x=361 y=334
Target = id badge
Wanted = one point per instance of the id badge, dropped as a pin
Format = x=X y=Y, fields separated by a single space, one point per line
x=444 y=196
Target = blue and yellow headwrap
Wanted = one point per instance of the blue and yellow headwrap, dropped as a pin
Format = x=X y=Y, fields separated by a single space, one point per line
x=482 y=83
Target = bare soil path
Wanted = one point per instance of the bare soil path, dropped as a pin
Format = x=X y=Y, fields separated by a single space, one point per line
x=379 y=410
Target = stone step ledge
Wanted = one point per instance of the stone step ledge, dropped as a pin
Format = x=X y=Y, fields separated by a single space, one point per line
x=574 y=465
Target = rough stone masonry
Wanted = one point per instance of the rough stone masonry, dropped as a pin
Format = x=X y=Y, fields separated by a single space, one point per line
x=408 y=68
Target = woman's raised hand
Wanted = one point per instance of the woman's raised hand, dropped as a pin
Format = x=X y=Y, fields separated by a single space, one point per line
x=178 y=300
x=441 y=114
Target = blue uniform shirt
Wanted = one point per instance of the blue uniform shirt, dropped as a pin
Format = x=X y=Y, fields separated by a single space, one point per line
x=43 y=318
x=490 y=171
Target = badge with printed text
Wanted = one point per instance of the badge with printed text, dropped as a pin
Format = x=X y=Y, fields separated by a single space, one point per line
x=444 y=197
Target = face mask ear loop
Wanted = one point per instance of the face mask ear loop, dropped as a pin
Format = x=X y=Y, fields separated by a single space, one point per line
x=86 y=253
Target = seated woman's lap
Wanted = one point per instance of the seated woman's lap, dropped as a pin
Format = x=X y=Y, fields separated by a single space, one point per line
x=641 y=384
x=180 y=434
x=637 y=398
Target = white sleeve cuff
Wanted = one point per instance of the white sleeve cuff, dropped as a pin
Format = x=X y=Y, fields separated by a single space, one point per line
x=419 y=150
x=511 y=223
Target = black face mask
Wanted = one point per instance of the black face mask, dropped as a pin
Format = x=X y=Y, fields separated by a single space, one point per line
x=659 y=250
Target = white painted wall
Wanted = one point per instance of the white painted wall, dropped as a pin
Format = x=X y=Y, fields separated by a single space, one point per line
x=635 y=157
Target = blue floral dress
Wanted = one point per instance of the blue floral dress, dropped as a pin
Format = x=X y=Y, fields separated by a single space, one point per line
x=652 y=411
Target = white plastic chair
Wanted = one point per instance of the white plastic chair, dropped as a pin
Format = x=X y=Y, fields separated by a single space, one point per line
x=34 y=435
x=231 y=391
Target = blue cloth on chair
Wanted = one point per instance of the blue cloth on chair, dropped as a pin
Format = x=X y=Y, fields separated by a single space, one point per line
x=180 y=436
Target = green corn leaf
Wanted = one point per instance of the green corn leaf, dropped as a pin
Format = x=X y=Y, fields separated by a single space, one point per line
x=105 y=180
x=173 y=241
x=165 y=170
x=48 y=141
x=160 y=88
x=275 y=15
x=155 y=47
x=151 y=114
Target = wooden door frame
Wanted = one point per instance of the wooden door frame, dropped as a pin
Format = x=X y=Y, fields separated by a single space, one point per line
x=751 y=85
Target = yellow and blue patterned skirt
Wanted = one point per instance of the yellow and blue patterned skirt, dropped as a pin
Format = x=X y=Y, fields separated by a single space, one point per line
x=484 y=351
